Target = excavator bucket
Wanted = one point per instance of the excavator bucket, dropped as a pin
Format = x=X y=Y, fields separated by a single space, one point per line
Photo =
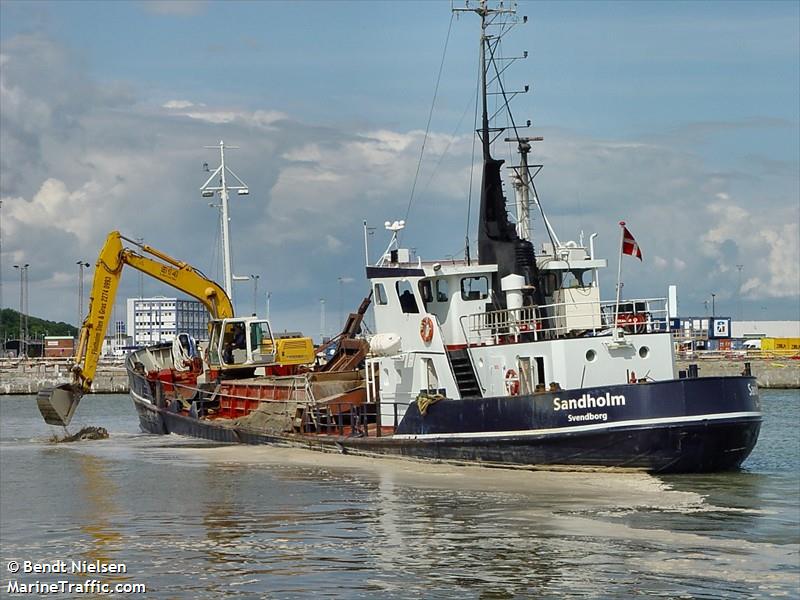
x=58 y=404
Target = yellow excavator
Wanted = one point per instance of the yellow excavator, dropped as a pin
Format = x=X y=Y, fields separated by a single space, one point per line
x=235 y=345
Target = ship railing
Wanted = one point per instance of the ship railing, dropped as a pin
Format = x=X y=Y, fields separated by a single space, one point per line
x=566 y=319
x=500 y=326
x=350 y=419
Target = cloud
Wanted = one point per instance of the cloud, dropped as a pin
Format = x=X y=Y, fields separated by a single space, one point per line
x=80 y=158
x=177 y=8
x=178 y=104
x=44 y=97
x=773 y=238
x=352 y=176
x=257 y=118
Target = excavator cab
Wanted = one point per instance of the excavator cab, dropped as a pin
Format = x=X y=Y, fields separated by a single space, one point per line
x=249 y=342
x=242 y=342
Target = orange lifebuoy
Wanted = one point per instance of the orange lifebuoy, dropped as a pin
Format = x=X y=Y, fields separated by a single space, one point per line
x=512 y=382
x=426 y=329
x=632 y=322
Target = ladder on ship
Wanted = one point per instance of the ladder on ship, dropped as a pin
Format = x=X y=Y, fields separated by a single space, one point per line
x=464 y=373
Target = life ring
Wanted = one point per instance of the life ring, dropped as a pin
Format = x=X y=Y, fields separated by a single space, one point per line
x=632 y=322
x=512 y=382
x=426 y=330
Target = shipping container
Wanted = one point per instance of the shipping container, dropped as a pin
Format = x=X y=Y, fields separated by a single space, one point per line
x=780 y=344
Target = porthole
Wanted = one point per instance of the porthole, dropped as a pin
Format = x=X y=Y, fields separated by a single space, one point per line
x=591 y=356
x=644 y=352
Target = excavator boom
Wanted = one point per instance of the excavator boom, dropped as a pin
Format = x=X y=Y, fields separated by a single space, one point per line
x=58 y=405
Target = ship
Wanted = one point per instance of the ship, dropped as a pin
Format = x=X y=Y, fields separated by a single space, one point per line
x=506 y=359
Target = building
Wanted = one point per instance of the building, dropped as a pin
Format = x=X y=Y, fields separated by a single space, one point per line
x=116 y=345
x=701 y=333
x=58 y=346
x=161 y=319
x=723 y=333
x=770 y=329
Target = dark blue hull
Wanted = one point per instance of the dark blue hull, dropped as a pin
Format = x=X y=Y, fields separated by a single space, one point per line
x=685 y=425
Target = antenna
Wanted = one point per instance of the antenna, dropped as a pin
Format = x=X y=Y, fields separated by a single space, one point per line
x=395 y=227
x=207 y=191
x=495 y=24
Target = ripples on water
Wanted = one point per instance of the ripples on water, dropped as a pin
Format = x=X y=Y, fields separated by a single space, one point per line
x=191 y=519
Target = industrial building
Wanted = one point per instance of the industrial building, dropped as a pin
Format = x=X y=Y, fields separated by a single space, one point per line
x=160 y=319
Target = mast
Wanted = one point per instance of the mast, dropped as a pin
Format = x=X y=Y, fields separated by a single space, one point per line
x=498 y=240
x=208 y=191
x=483 y=11
x=522 y=188
x=226 y=240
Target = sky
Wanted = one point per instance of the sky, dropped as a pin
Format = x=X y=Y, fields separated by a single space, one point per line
x=680 y=118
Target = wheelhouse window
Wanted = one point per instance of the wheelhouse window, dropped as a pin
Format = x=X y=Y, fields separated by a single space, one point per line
x=442 y=293
x=426 y=291
x=405 y=293
x=474 y=288
x=380 y=294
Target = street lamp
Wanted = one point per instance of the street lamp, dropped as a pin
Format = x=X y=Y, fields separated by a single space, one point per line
x=81 y=264
x=342 y=280
x=255 y=279
x=321 y=320
x=140 y=241
x=341 y=317
x=741 y=315
x=23 y=303
x=713 y=310
x=269 y=297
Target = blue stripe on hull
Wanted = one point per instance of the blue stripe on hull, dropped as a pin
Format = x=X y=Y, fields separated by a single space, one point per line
x=560 y=411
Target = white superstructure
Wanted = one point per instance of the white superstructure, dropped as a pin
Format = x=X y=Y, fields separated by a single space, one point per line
x=474 y=350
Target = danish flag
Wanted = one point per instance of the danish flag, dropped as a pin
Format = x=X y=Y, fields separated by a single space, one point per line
x=629 y=245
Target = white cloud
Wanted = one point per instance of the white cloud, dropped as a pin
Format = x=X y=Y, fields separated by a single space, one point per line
x=78 y=162
x=770 y=237
x=179 y=8
x=178 y=104
x=259 y=118
x=54 y=204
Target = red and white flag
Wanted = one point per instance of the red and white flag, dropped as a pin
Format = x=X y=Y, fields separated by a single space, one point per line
x=629 y=245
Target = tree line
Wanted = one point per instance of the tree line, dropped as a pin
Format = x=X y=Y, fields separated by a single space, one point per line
x=9 y=326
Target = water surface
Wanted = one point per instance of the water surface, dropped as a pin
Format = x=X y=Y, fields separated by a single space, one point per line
x=192 y=519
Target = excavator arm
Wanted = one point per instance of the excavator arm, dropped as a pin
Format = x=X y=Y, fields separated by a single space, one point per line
x=58 y=405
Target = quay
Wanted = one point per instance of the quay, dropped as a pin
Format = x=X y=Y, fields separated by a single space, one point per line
x=29 y=375
x=771 y=371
